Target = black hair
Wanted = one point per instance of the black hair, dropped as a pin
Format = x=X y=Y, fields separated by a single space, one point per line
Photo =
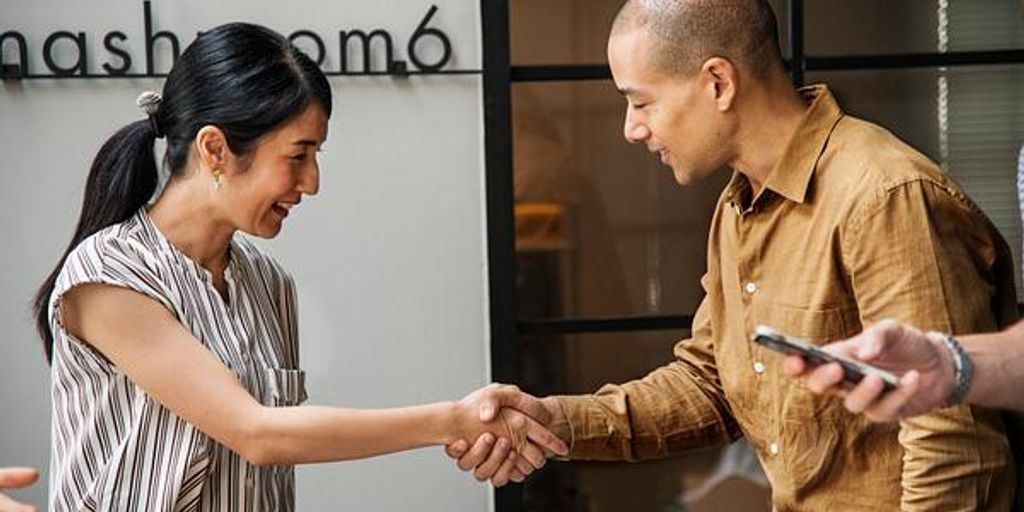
x=244 y=79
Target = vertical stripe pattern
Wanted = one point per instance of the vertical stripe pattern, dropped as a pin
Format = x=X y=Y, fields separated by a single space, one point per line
x=113 y=446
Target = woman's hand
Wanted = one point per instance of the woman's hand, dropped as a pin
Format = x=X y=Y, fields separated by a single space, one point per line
x=518 y=442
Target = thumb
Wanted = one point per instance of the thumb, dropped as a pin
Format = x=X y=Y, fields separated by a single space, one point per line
x=489 y=406
x=511 y=396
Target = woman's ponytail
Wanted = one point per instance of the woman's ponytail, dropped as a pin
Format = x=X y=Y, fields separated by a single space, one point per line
x=122 y=179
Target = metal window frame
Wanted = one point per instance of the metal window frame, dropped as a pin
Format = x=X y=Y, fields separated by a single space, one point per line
x=499 y=75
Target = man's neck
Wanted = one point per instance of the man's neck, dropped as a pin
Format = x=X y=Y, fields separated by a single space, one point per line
x=770 y=120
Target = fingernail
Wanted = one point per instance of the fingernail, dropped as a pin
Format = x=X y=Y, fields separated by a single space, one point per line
x=486 y=412
x=488 y=437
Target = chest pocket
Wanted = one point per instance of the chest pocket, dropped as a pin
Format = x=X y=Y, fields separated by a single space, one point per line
x=284 y=387
x=808 y=425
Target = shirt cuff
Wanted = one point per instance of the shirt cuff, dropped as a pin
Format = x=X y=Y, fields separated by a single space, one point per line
x=590 y=431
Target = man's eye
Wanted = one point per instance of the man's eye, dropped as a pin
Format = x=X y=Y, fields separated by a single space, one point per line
x=299 y=157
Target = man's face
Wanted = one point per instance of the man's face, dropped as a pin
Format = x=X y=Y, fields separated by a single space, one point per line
x=674 y=116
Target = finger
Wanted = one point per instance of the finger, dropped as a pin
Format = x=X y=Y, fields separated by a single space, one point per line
x=456 y=449
x=534 y=455
x=478 y=454
x=543 y=438
x=517 y=476
x=524 y=467
x=9 y=505
x=489 y=467
x=893 y=403
x=824 y=378
x=863 y=394
x=794 y=366
x=501 y=477
x=16 y=478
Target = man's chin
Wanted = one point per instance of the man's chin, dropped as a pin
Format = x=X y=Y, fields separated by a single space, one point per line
x=683 y=177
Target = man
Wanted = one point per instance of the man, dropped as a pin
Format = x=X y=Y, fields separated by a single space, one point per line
x=829 y=223
x=930 y=377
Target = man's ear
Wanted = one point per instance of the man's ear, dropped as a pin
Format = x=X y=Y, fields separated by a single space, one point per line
x=212 y=147
x=724 y=80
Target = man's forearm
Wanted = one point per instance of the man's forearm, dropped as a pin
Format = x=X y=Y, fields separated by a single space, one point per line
x=998 y=368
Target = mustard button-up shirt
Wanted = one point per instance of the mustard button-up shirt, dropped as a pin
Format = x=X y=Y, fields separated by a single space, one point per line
x=852 y=226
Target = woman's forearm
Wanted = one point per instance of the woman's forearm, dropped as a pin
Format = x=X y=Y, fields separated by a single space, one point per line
x=292 y=435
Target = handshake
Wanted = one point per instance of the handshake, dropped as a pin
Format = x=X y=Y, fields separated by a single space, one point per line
x=504 y=434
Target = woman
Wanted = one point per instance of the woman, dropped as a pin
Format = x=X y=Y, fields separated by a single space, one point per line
x=173 y=344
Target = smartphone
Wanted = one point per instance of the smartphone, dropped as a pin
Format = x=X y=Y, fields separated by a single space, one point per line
x=853 y=371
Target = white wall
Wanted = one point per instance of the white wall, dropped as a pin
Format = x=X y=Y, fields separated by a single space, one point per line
x=390 y=258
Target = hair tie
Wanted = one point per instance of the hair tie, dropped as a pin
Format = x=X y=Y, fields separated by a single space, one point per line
x=149 y=102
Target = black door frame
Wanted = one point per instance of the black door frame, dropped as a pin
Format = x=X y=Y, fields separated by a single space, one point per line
x=499 y=74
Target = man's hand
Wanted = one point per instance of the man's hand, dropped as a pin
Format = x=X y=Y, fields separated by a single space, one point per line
x=15 y=478
x=519 y=412
x=509 y=426
x=923 y=364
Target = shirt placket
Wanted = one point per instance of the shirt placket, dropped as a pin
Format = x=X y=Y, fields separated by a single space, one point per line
x=754 y=291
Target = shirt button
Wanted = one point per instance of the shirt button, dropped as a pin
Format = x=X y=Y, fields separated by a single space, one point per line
x=759 y=367
x=774 y=448
x=751 y=287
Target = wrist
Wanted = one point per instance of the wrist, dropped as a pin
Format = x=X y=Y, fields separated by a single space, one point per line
x=448 y=427
x=559 y=424
x=956 y=368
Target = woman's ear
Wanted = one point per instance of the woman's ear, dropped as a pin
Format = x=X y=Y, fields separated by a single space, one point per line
x=212 y=147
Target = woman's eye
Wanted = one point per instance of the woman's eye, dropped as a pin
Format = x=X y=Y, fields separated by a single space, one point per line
x=299 y=157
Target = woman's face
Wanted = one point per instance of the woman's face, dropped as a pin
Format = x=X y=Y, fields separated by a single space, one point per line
x=260 y=189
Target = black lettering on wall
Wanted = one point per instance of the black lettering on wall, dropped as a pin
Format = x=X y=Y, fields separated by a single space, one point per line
x=366 y=40
x=421 y=32
x=321 y=50
x=20 y=69
x=429 y=52
x=151 y=39
x=126 y=58
x=81 y=64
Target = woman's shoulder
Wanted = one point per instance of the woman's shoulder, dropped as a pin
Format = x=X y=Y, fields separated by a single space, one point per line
x=252 y=258
x=125 y=243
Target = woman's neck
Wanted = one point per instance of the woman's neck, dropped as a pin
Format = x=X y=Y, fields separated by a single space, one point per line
x=184 y=215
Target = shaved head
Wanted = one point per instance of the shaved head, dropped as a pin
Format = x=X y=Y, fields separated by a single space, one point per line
x=686 y=33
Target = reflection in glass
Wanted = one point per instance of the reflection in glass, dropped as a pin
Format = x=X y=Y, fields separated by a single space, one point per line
x=552 y=32
x=602 y=227
x=844 y=27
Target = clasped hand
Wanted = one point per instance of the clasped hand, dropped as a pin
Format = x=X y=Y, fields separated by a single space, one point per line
x=513 y=434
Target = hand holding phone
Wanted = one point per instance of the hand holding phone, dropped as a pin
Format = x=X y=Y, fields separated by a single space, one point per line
x=853 y=370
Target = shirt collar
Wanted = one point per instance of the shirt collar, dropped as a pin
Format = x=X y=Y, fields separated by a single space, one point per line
x=791 y=176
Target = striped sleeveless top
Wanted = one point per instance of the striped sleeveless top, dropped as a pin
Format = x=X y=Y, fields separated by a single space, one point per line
x=115 y=448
